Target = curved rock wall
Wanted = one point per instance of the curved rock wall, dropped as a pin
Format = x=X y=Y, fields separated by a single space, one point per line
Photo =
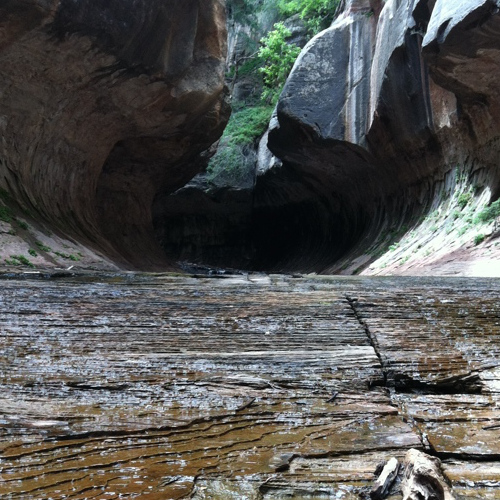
x=378 y=112
x=102 y=107
x=390 y=114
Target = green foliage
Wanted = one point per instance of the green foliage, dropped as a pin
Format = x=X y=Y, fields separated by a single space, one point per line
x=463 y=200
x=67 y=256
x=488 y=214
x=244 y=128
x=248 y=124
x=32 y=252
x=479 y=238
x=5 y=213
x=277 y=57
x=460 y=174
x=16 y=260
x=317 y=14
x=43 y=247
x=22 y=224
x=229 y=166
x=249 y=67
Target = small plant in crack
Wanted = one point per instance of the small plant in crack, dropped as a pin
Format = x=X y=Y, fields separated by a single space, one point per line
x=479 y=238
x=42 y=247
x=464 y=199
x=18 y=260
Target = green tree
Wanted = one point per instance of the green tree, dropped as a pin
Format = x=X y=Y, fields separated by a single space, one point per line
x=317 y=14
x=277 y=57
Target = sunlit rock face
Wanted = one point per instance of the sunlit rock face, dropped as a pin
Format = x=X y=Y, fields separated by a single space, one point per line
x=102 y=106
x=376 y=113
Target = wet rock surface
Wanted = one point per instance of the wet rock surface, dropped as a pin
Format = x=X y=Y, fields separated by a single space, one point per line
x=249 y=386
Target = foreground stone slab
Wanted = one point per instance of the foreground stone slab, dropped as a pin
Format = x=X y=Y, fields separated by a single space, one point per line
x=156 y=386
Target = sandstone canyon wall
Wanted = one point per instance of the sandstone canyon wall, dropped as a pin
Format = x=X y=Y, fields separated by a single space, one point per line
x=389 y=115
x=104 y=105
x=386 y=137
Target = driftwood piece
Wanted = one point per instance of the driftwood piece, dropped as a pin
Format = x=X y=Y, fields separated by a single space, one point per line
x=385 y=480
x=423 y=478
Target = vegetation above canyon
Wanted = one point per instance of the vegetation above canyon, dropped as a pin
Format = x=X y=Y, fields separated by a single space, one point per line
x=261 y=60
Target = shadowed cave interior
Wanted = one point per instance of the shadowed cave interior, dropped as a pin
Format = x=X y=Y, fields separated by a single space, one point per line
x=289 y=221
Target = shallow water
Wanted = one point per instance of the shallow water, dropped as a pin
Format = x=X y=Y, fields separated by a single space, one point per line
x=249 y=386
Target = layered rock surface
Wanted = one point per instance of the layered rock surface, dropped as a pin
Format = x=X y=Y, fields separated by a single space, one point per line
x=250 y=386
x=104 y=107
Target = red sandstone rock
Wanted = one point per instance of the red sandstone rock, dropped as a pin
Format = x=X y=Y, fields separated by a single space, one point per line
x=102 y=107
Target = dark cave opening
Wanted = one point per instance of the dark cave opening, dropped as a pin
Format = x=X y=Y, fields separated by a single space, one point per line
x=285 y=223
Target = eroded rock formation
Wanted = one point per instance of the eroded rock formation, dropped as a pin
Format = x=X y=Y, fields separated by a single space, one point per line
x=388 y=116
x=104 y=106
x=389 y=125
x=382 y=115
